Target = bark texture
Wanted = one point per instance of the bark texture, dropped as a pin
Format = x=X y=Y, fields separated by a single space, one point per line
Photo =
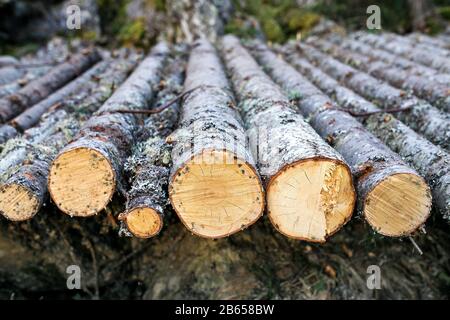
x=110 y=135
x=420 y=116
x=279 y=136
x=371 y=161
x=210 y=125
x=386 y=42
x=425 y=88
x=37 y=90
x=429 y=160
x=149 y=165
x=394 y=60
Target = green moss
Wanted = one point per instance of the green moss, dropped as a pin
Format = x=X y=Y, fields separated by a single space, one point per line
x=240 y=28
x=273 y=30
x=133 y=33
x=297 y=20
x=445 y=12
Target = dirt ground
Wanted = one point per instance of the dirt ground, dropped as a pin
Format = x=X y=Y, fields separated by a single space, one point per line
x=253 y=264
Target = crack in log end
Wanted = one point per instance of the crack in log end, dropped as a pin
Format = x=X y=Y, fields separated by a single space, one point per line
x=143 y=222
x=81 y=181
x=17 y=203
x=216 y=194
x=311 y=199
x=398 y=205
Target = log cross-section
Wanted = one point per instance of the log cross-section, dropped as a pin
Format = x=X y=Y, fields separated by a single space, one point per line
x=429 y=160
x=214 y=186
x=85 y=174
x=310 y=192
x=393 y=198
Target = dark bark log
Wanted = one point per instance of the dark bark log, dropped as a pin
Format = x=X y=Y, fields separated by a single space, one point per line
x=423 y=87
x=429 y=160
x=404 y=204
x=149 y=166
x=37 y=90
x=306 y=178
x=421 y=117
x=40 y=145
x=85 y=174
x=214 y=185
x=400 y=48
x=420 y=11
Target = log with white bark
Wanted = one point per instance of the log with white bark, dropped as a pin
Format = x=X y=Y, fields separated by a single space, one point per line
x=310 y=192
x=25 y=189
x=393 y=198
x=149 y=165
x=419 y=115
x=394 y=60
x=35 y=91
x=214 y=186
x=428 y=40
x=425 y=57
x=424 y=87
x=429 y=160
x=31 y=116
x=85 y=174
x=10 y=74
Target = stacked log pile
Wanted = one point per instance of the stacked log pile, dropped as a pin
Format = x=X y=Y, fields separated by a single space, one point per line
x=220 y=142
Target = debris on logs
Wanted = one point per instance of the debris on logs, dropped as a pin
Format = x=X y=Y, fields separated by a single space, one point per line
x=419 y=114
x=214 y=186
x=429 y=160
x=24 y=185
x=37 y=90
x=149 y=165
x=84 y=175
x=310 y=192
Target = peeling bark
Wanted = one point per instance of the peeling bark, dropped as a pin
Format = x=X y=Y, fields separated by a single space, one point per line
x=37 y=90
x=103 y=144
x=421 y=116
x=286 y=145
x=425 y=88
x=371 y=161
x=429 y=160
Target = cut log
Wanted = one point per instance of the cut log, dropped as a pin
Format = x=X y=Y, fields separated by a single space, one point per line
x=393 y=198
x=37 y=90
x=85 y=174
x=427 y=58
x=420 y=115
x=149 y=166
x=423 y=87
x=7 y=61
x=25 y=190
x=310 y=193
x=214 y=186
x=31 y=116
x=394 y=60
x=429 y=160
